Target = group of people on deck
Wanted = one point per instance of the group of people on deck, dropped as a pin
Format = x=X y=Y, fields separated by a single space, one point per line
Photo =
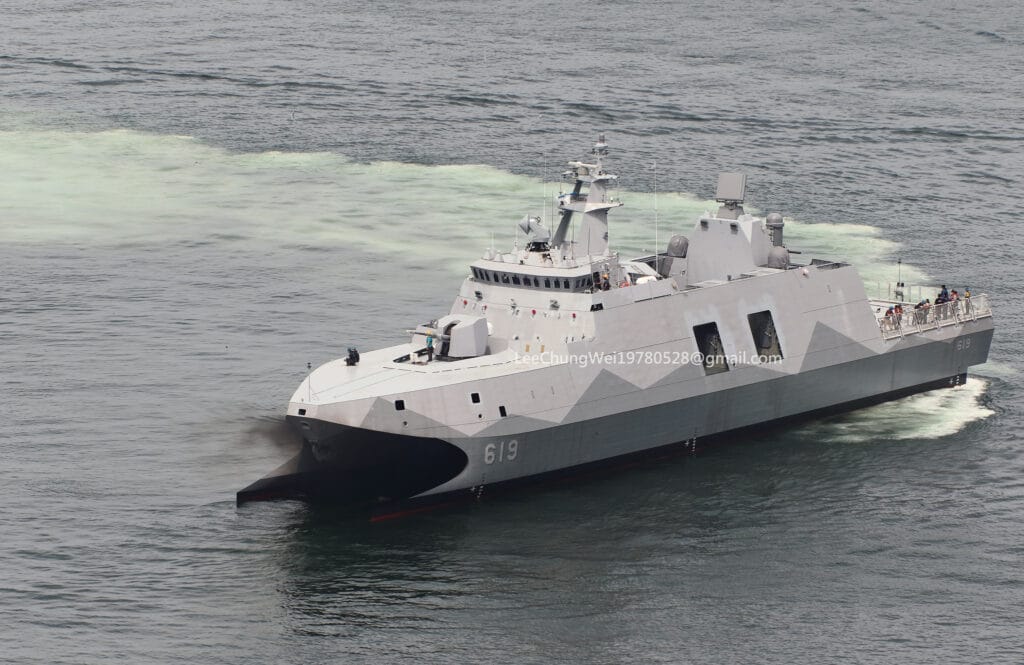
x=950 y=296
x=894 y=315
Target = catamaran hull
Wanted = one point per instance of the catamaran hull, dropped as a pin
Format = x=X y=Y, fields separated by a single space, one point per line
x=398 y=472
x=353 y=465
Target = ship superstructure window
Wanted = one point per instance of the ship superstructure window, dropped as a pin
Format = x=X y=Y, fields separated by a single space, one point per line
x=502 y=411
x=709 y=343
x=399 y=405
x=766 y=339
x=534 y=281
x=474 y=397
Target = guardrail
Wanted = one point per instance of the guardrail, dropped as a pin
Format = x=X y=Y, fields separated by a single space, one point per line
x=929 y=317
x=902 y=292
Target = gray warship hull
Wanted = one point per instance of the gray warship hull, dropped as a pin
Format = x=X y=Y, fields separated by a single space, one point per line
x=393 y=474
x=560 y=356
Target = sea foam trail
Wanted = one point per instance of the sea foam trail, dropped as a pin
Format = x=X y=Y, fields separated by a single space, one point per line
x=122 y=187
x=929 y=415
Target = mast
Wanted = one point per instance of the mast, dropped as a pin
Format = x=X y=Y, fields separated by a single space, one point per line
x=589 y=198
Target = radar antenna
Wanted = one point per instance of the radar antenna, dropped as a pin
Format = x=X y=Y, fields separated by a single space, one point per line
x=732 y=188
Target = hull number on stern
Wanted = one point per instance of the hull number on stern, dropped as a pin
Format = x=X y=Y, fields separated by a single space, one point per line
x=503 y=451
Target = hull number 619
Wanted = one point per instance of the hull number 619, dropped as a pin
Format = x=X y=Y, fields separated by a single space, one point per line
x=503 y=451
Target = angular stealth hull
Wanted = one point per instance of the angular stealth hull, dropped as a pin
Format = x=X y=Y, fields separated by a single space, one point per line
x=357 y=466
x=391 y=473
x=561 y=356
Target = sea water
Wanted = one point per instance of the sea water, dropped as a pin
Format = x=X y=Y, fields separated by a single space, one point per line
x=198 y=201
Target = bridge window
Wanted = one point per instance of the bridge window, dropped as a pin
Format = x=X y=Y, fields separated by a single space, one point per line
x=574 y=284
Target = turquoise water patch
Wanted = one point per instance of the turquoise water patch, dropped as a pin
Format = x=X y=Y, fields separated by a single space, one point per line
x=121 y=187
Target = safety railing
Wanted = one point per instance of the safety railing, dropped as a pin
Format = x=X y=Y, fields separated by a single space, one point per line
x=922 y=317
x=903 y=292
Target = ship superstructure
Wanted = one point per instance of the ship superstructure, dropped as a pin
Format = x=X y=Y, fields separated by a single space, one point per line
x=559 y=355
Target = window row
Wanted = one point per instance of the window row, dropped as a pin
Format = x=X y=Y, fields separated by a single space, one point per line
x=532 y=281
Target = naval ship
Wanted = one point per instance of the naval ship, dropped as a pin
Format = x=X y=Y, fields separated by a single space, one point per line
x=560 y=356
